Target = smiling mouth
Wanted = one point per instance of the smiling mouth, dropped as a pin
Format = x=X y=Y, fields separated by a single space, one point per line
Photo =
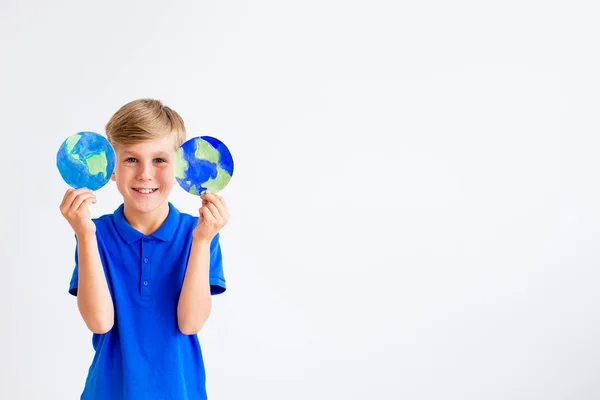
x=145 y=191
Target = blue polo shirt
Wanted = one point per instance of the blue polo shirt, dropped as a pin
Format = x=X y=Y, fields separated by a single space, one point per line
x=145 y=356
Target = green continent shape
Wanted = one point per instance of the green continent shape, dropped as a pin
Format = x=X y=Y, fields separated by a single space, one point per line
x=97 y=163
x=205 y=151
x=193 y=189
x=71 y=142
x=218 y=183
x=180 y=165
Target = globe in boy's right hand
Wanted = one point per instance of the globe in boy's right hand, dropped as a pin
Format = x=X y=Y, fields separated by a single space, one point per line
x=75 y=209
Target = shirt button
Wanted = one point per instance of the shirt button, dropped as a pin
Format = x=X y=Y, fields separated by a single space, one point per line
x=146 y=260
x=145 y=283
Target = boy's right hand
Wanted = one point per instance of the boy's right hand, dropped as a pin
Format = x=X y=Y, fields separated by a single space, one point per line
x=75 y=209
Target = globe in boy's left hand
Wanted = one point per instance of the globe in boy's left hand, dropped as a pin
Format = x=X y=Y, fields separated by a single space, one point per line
x=213 y=215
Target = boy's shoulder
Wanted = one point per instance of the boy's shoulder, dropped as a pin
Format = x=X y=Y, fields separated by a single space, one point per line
x=103 y=221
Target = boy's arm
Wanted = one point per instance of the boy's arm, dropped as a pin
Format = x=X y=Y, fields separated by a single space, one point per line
x=195 y=301
x=93 y=297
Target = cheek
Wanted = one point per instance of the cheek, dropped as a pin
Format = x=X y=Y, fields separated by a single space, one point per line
x=167 y=175
x=121 y=175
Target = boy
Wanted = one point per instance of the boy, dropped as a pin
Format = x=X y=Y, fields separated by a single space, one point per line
x=144 y=275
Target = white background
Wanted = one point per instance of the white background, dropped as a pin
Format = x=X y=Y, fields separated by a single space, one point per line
x=414 y=205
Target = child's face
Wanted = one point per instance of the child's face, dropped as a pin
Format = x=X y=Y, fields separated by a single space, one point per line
x=145 y=174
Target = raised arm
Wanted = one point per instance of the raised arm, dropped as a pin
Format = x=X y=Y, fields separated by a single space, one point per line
x=195 y=302
x=93 y=297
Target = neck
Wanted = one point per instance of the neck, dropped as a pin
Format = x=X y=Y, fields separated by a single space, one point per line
x=146 y=222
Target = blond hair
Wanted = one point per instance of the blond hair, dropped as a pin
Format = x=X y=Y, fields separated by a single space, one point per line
x=145 y=119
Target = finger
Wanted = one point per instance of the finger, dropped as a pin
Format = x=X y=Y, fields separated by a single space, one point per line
x=223 y=211
x=207 y=196
x=70 y=195
x=218 y=202
x=80 y=199
x=86 y=203
x=220 y=198
x=206 y=215
x=64 y=199
x=223 y=208
x=68 y=200
x=214 y=210
x=79 y=202
x=73 y=195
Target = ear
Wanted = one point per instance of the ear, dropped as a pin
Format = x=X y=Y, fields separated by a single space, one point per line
x=113 y=177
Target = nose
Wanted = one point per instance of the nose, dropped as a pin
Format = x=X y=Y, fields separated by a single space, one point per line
x=144 y=172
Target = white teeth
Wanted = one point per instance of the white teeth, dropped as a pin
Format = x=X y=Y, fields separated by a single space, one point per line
x=145 y=191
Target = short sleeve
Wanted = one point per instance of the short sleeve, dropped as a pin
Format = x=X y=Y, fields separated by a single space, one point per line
x=217 y=278
x=75 y=276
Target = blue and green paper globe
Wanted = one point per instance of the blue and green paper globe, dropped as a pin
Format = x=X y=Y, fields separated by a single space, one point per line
x=86 y=160
x=203 y=164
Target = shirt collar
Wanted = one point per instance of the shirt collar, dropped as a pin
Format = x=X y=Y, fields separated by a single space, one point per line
x=164 y=233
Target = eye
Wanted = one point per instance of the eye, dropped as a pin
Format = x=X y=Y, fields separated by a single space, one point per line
x=160 y=160
x=131 y=159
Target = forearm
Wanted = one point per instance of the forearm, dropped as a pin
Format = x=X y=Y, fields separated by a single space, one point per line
x=195 y=301
x=93 y=297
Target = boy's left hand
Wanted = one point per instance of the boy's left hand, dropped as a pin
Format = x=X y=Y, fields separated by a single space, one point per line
x=214 y=215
